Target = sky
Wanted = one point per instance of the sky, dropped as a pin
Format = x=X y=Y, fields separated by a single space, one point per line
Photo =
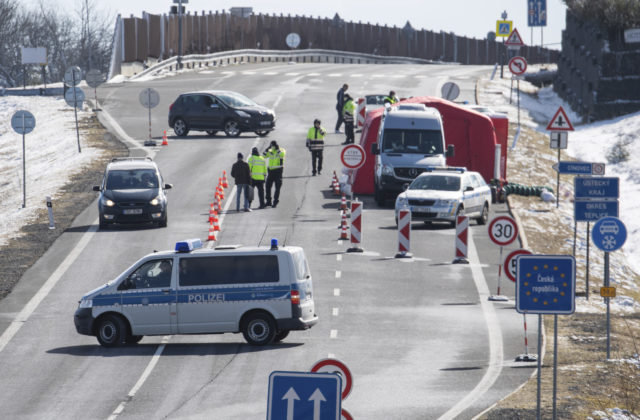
x=473 y=18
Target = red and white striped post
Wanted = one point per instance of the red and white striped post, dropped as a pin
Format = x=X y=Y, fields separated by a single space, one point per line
x=462 y=230
x=404 y=233
x=356 y=226
x=526 y=357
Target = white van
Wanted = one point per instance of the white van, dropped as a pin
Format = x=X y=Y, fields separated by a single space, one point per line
x=262 y=292
x=410 y=140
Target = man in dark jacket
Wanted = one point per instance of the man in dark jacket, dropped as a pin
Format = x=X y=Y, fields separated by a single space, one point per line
x=242 y=176
x=340 y=105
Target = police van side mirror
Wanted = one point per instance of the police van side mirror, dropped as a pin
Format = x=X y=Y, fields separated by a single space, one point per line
x=375 y=150
x=168 y=186
x=450 y=151
x=96 y=188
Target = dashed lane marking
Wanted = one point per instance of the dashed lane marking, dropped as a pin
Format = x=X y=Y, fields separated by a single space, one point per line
x=335 y=311
x=333 y=334
x=338 y=274
x=336 y=292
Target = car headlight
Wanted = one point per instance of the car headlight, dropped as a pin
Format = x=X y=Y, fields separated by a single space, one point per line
x=445 y=203
x=401 y=201
x=155 y=201
x=86 y=303
x=107 y=202
x=243 y=114
x=387 y=170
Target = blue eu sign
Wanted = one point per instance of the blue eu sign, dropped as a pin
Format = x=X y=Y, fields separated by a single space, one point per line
x=609 y=234
x=304 y=396
x=546 y=284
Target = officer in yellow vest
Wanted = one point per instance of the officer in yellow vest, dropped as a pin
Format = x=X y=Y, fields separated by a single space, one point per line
x=275 y=163
x=258 y=168
x=315 y=143
x=348 y=112
x=391 y=99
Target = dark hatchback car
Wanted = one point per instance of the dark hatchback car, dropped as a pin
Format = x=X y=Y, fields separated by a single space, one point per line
x=216 y=110
x=132 y=191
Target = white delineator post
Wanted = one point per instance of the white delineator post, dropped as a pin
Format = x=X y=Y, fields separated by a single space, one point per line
x=462 y=230
x=404 y=233
x=356 y=226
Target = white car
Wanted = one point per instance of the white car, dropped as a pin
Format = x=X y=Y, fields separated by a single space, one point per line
x=442 y=193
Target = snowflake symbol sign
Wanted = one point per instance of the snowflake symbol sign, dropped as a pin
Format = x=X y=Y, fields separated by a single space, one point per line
x=609 y=242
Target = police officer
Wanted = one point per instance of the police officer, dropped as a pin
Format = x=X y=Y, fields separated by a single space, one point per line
x=258 y=168
x=275 y=163
x=315 y=143
x=347 y=113
x=391 y=98
x=340 y=105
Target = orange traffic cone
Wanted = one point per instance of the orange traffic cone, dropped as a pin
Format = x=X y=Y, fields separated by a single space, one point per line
x=212 y=212
x=212 y=233
x=343 y=203
x=335 y=178
x=216 y=227
x=220 y=190
x=164 y=138
x=345 y=227
x=216 y=205
x=225 y=184
x=336 y=187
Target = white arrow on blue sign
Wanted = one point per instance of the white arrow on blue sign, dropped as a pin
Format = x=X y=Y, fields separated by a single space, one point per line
x=304 y=396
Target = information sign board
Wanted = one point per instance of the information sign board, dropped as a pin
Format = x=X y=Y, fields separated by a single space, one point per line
x=304 y=395
x=594 y=210
x=597 y=187
x=546 y=284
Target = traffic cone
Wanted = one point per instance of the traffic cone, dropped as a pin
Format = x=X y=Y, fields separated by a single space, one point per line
x=215 y=224
x=343 y=203
x=336 y=187
x=335 y=178
x=221 y=189
x=164 y=138
x=212 y=233
x=216 y=204
x=225 y=184
x=344 y=234
x=212 y=212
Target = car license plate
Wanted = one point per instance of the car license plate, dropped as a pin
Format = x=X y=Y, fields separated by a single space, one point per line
x=132 y=211
x=265 y=122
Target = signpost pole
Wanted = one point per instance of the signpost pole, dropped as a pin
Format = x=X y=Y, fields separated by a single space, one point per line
x=518 y=90
x=24 y=170
x=575 y=234
x=607 y=299
x=75 y=109
x=538 y=385
x=558 y=183
x=587 y=276
x=555 y=363
x=149 y=101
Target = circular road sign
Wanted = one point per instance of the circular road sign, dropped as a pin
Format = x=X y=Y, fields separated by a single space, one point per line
x=510 y=263
x=74 y=99
x=518 y=65
x=23 y=122
x=73 y=76
x=293 y=40
x=450 y=91
x=345 y=415
x=149 y=98
x=94 y=78
x=352 y=156
x=609 y=234
x=503 y=230
x=597 y=168
x=335 y=366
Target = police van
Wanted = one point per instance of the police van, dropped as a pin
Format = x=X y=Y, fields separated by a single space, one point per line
x=260 y=291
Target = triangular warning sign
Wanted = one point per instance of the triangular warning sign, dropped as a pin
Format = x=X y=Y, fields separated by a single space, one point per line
x=560 y=122
x=514 y=40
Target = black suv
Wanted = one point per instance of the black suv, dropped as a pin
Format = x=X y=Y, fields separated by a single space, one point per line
x=216 y=110
x=132 y=191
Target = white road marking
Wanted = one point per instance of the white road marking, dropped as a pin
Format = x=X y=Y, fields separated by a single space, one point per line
x=248 y=72
x=335 y=311
x=313 y=74
x=275 y=104
x=356 y=75
x=339 y=257
x=291 y=74
x=336 y=292
x=331 y=356
x=334 y=75
x=338 y=274
x=339 y=241
x=142 y=379
x=270 y=73
x=495 y=338
x=333 y=334
x=51 y=282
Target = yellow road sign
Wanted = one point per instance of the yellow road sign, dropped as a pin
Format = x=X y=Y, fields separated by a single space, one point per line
x=504 y=27
x=608 y=292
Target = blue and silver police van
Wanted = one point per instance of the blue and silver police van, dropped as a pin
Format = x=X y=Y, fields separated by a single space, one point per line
x=260 y=291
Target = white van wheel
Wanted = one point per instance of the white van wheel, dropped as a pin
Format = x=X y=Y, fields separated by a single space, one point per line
x=281 y=335
x=259 y=329
x=111 y=331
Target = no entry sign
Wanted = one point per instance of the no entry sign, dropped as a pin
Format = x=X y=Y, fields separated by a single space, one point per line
x=352 y=156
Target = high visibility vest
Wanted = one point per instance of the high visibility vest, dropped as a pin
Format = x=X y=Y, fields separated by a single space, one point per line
x=315 y=138
x=275 y=158
x=258 y=167
x=348 y=110
x=391 y=99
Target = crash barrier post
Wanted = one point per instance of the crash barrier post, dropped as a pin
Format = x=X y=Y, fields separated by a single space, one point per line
x=356 y=226
x=404 y=233
x=50 y=210
x=462 y=229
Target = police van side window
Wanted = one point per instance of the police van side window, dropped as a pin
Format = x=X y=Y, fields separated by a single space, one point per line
x=229 y=269
x=152 y=274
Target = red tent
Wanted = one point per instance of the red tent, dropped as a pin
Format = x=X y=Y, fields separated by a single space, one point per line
x=473 y=135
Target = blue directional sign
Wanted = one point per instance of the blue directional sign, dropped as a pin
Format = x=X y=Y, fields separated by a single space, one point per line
x=594 y=210
x=537 y=12
x=597 y=187
x=609 y=234
x=578 y=168
x=304 y=396
x=546 y=284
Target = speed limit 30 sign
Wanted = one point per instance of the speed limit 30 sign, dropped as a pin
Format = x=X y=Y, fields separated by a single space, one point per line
x=503 y=230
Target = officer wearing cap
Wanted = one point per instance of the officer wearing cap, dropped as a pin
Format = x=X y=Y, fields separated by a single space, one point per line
x=275 y=163
x=315 y=144
x=258 y=168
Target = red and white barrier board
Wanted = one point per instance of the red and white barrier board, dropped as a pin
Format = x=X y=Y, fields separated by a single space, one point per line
x=356 y=226
x=361 y=112
x=404 y=233
x=462 y=231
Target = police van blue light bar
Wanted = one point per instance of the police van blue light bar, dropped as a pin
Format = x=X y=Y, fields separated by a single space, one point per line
x=460 y=169
x=274 y=244
x=188 y=245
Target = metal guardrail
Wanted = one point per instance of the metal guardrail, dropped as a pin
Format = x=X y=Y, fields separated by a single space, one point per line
x=254 y=56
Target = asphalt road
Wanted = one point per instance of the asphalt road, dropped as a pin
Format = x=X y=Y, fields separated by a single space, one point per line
x=419 y=336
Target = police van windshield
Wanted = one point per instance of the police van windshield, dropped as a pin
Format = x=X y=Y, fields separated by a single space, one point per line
x=436 y=182
x=426 y=142
x=132 y=179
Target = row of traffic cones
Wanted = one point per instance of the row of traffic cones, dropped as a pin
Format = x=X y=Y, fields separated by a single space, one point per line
x=335 y=185
x=215 y=207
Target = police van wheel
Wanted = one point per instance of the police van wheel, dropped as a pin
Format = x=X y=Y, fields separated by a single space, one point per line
x=259 y=329
x=111 y=331
x=281 y=335
x=133 y=339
